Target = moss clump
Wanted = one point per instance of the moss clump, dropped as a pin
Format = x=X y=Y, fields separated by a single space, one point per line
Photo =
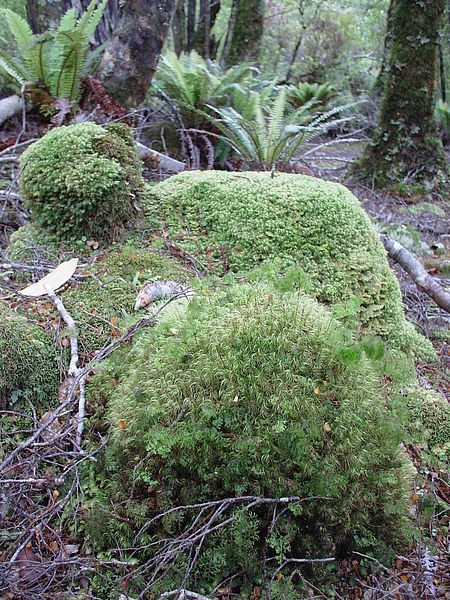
x=28 y=368
x=244 y=219
x=429 y=419
x=82 y=180
x=270 y=409
x=104 y=312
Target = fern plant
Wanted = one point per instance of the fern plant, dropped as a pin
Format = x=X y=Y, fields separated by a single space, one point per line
x=58 y=59
x=304 y=92
x=275 y=135
x=188 y=84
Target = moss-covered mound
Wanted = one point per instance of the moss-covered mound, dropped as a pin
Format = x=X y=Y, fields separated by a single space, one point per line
x=82 y=180
x=28 y=367
x=104 y=311
x=240 y=220
x=248 y=395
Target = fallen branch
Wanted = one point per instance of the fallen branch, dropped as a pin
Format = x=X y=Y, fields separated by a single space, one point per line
x=156 y=159
x=9 y=107
x=416 y=271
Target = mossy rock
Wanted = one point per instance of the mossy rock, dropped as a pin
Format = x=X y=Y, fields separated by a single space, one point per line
x=245 y=219
x=28 y=367
x=82 y=180
x=248 y=395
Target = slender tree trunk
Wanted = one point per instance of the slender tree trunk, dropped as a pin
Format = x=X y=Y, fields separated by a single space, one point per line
x=406 y=148
x=381 y=79
x=190 y=24
x=33 y=15
x=203 y=42
x=442 y=74
x=133 y=53
x=247 y=32
x=179 y=28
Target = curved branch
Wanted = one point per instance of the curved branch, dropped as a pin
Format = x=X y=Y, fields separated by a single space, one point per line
x=416 y=271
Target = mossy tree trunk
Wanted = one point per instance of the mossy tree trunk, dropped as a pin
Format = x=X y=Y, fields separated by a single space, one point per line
x=406 y=148
x=131 y=58
x=381 y=79
x=247 y=31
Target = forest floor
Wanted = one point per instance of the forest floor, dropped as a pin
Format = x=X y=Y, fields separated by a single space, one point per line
x=421 y=225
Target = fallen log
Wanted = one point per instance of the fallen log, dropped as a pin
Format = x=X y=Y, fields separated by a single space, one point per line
x=9 y=107
x=416 y=271
x=156 y=159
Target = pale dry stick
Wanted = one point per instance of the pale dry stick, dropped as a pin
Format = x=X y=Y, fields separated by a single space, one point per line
x=183 y=595
x=416 y=271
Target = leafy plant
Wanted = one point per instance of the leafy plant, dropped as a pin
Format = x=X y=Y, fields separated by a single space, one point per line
x=188 y=84
x=275 y=135
x=305 y=92
x=56 y=59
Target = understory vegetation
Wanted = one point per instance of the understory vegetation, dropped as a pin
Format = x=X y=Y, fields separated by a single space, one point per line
x=224 y=301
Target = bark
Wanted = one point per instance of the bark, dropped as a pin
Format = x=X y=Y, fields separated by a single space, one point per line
x=442 y=74
x=203 y=42
x=179 y=28
x=415 y=270
x=190 y=24
x=133 y=53
x=33 y=15
x=247 y=32
x=381 y=79
x=406 y=148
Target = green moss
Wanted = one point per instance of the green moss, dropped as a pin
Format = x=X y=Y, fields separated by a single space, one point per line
x=103 y=312
x=247 y=32
x=28 y=367
x=82 y=180
x=273 y=411
x=429 y=419
x=245 y=219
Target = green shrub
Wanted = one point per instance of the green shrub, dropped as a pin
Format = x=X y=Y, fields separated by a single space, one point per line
x=270 y=409
x=82 y=180
x=245 y=219
x=28 y=368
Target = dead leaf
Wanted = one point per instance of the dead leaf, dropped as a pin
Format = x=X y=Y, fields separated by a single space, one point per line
x=327 y=427
x=121 y=423
x=55 y=279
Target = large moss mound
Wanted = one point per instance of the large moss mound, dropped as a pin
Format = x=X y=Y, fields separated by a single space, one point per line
x=248 y=394
x=28 y=367
x=82 y=180
x=239 y=220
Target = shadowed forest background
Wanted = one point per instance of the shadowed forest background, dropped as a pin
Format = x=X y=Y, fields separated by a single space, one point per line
x=224 y=305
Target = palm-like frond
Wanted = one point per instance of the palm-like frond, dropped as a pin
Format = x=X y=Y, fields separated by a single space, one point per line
x=276 y=136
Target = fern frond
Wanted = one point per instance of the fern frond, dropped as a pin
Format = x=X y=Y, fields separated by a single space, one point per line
x=14 y=69
x=19 y=27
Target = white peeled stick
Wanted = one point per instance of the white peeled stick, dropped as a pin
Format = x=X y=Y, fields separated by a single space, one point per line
x=54 y=280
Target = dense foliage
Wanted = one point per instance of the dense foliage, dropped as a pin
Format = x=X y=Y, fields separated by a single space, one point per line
x=82 y=180
x=270 y=409
x=239 y=220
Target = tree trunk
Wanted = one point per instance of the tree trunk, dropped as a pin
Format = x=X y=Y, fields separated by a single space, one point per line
x=247 y=32
x=190 y=24
x=133 y=53
x=179 y=28
x=381 y=79
x=203 y=42
x=406 y=148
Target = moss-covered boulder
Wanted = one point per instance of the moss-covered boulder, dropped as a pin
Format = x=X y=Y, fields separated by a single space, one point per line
x=82 y=180
x=239 y=220
x=28 y=367
x=248 y=394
